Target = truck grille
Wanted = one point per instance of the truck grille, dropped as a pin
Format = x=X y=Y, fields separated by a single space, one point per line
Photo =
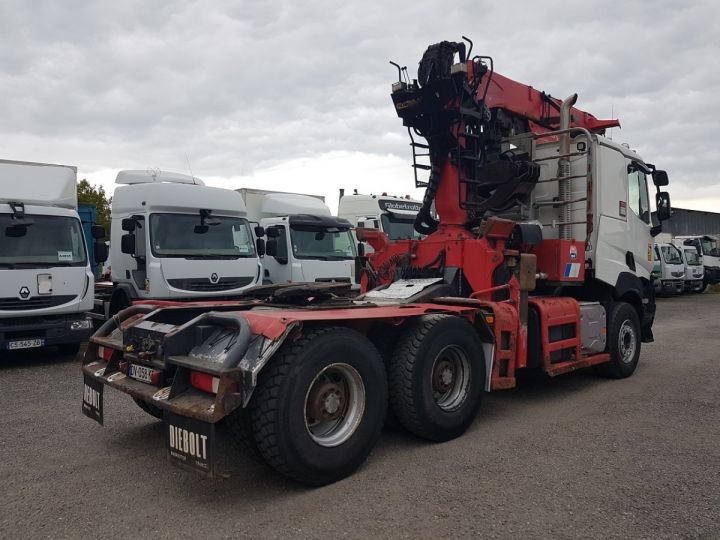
x=38 y=302
x=204 y=284
x=678 y=274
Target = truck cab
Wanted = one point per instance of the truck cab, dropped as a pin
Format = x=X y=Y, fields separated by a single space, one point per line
x=694 y=274
x=392 y=215
x=305 y=243
x=46 y=281
x=707 y=247
x=175 y=238
x=669 y=269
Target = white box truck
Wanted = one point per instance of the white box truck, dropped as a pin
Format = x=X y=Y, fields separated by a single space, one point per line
x=46 y=281
x=305 y=243
x=175 y=238
x=395 y=216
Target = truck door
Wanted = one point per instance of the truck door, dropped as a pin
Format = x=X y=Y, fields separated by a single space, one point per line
x=275 y=263
x=640 y=243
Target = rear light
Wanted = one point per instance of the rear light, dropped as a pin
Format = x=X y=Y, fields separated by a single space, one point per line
x=206 y=382
x=104 y=354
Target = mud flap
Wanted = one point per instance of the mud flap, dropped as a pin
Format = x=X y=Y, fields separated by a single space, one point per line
x=92 y=403
x=190 y=443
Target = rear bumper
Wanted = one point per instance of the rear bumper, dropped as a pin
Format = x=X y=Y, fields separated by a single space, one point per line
x=53 y=330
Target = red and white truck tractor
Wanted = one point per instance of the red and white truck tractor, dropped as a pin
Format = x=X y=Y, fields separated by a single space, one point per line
x=539 y=259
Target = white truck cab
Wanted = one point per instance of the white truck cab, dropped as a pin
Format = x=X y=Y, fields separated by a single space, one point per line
x=669 y=269
x=394 y=216
x=710 y=252
x=694 y=274
x=175 y=238
x=46 y=281
x=305 y=243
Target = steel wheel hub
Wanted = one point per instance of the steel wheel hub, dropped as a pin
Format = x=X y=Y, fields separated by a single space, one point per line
x=627 y=342
x=334 y=404
x=451 y=377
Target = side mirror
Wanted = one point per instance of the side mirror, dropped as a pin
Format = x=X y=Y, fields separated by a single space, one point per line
x=259 y=231
x=662 y=203
x=101 y=251
x=16 y=231
x=98 y=232
x=272 y=232
x=127 y=244
x=361 y=249
x=128 y=224
x=271 y=246
x=655 y=230
x=201 y=229
x=260 y=247
x=660 y=178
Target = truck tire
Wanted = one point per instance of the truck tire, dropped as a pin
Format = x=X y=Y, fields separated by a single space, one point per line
x=119 y=301
x=319 y=406
x=69 y=349
x=239 y=424
x=437 y=377
x=623 y=341
x=152 y=410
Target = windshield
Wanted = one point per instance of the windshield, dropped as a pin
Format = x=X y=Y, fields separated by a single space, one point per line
x=692 y=257
x=399 y=228
x=183 y=235
x=671 y=254
x=322 y=243
x=49 y=241
x=709 y=247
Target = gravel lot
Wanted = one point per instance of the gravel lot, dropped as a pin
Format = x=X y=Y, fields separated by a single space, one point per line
x=563 y=458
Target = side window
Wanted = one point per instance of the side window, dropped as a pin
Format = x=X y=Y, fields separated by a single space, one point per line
x=282 y=248
x=638 y=199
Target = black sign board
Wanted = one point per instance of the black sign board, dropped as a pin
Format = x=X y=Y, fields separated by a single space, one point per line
x=190 y=443
x=92 y=404
x=407 y=206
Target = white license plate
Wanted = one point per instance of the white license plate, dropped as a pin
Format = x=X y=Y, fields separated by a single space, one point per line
x=141 y=373
x=25 y=344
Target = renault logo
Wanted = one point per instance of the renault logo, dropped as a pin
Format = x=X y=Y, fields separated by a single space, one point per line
x=24 y=293
x=214 y=278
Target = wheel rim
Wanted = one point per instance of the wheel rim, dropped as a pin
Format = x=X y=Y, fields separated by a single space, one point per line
x=627 y=342
x=334 y=404
x=450 y=378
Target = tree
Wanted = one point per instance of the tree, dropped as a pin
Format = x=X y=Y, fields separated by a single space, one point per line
x=95 y=195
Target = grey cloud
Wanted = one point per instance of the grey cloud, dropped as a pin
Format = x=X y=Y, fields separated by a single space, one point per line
x=240 y=86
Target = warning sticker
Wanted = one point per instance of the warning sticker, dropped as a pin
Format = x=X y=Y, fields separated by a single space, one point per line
x=572 y=270
x=573 y=252
x=65 y=256
x=622 y=210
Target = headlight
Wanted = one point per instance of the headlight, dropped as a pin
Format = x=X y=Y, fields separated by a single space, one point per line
x=85 y=324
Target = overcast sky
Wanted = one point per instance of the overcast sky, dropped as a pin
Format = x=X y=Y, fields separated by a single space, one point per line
x=295 y=95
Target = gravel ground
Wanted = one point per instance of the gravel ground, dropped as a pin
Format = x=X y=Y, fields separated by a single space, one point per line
x=563 y=458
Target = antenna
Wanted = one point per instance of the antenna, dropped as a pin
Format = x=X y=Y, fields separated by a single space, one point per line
x=187 y=158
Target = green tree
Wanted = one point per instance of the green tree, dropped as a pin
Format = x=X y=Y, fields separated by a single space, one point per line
x=95 y=195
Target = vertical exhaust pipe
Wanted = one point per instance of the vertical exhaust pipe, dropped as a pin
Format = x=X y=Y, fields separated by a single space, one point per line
x=564 y=184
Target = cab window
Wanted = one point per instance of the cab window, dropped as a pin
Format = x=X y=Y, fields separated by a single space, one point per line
x=638 y=199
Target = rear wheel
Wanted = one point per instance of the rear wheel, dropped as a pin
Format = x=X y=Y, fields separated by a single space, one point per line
x=623 y=342
x=437 y=377
x=152 y=410
x=320 y=405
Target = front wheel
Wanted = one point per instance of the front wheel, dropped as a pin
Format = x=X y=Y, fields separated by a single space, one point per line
x=623 y=344
x=320 y=405
x=437 y=377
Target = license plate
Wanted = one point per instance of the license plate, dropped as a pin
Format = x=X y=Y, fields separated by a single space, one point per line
x=142 y=373
x=25 y=344
x=92 y=403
